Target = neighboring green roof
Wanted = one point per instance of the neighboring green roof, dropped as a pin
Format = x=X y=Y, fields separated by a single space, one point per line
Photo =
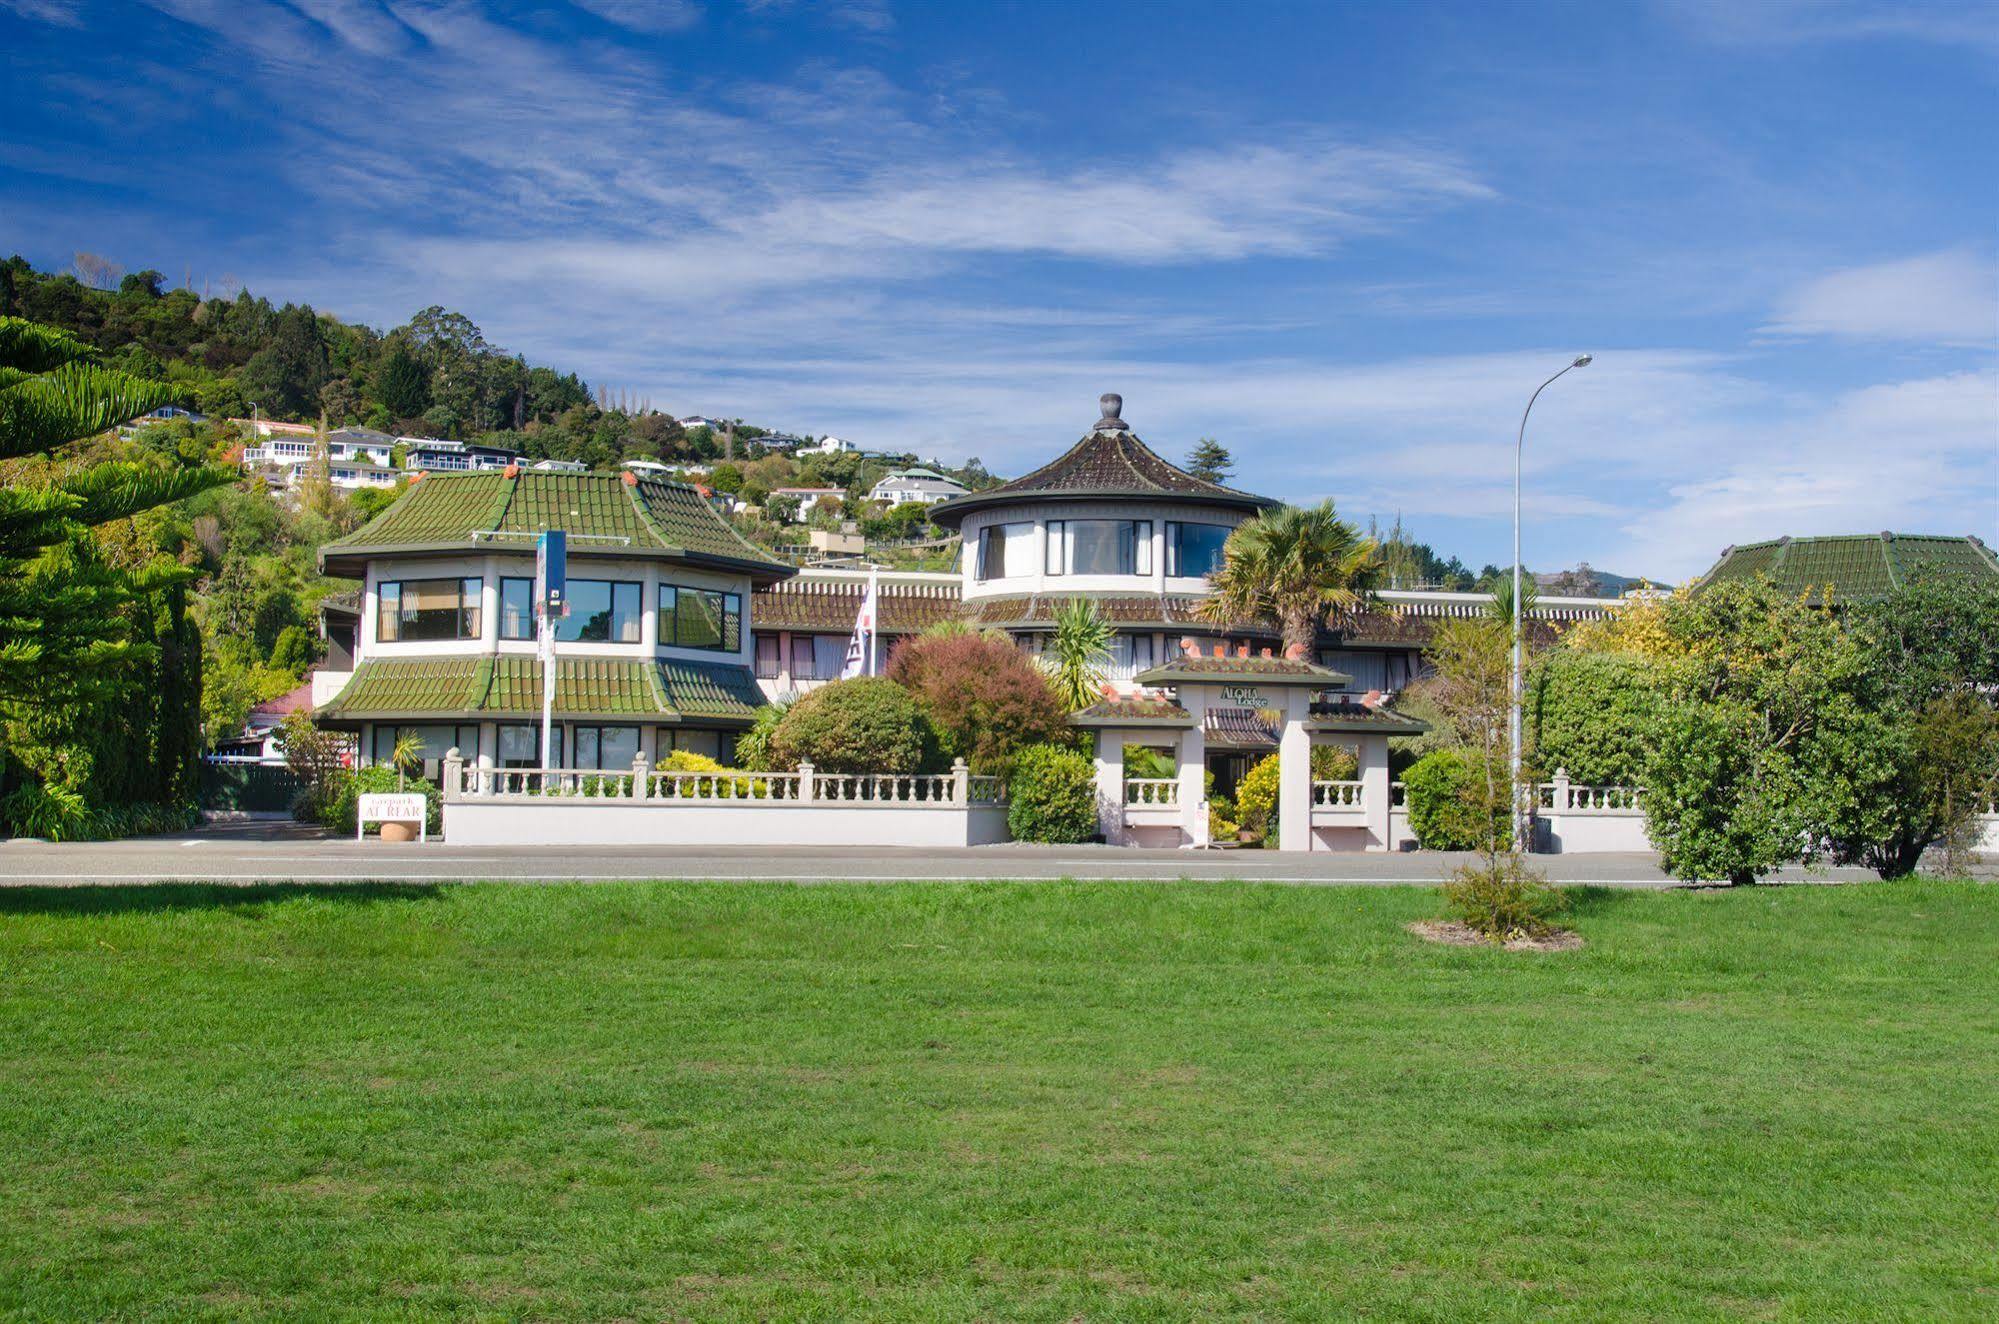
x=1852 y=567
x=510 y=685
x=1263 y=670
x=606 y=515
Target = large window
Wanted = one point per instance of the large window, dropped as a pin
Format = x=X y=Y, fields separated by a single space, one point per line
x=433 y=741
x=1131 y=653
x=770 y=659
x=516 y=609
x=420 y=610
x=1003 y=550
x=818 y=656
x=1099 y=547
x=601 y=611
x=1194 y=551
x=700 y=618
x=520 y=746
x=708 y=744
x=606 y=748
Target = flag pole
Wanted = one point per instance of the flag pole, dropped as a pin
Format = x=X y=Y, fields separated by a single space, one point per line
x=874 y=620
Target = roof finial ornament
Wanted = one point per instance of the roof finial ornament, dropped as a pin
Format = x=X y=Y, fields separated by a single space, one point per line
x=1111 y=403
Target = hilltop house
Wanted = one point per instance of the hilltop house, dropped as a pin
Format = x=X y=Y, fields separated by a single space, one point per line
x=654 y=655
x=906 y=486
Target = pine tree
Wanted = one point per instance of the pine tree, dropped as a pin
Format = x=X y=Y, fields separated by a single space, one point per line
x=1210 y=460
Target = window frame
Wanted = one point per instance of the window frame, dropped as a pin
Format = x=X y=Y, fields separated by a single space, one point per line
x=527 y=580
x=729 y=623
x=637 y=588
x=471 y=593
x=1059 y=556
x=982 y=570
x=596 y=731
x=1175 y=559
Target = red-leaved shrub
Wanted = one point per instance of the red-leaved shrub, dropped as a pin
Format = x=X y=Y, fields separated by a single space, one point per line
x=985 y=697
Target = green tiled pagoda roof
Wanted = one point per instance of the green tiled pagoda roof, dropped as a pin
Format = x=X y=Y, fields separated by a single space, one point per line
x=606 y=514
x=510 y=685
x=607 y=685
x=1853 y=567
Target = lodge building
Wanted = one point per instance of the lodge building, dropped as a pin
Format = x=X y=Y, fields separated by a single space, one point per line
x=679 y=627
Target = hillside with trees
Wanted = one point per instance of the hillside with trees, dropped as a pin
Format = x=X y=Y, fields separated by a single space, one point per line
x=434 y=376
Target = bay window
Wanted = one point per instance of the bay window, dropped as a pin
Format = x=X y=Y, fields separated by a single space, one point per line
x=410 y=611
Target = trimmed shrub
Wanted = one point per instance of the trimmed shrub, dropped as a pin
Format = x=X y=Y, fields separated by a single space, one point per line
x=1053 y=796
x=1501 y=898
x=985 y=698
x=869 y=724
x=1448 y=803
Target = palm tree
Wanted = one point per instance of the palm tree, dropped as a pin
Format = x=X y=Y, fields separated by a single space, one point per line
x=407 y=754
x=1299 y=564
x=1079 y=652
x=1501 y=607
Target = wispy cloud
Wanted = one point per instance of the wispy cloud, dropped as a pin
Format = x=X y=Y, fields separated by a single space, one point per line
x=1790 y=22
x=1950 y=297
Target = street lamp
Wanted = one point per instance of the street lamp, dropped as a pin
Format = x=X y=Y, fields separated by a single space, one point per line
x=1519 y=616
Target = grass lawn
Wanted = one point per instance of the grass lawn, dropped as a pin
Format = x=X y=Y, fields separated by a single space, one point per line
x=994 y=1101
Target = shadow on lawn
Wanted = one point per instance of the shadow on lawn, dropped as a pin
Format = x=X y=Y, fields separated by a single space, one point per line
x=1590 y=899
x=117 y=899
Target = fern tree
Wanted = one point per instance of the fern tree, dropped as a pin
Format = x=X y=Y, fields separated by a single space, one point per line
x=1295 y=564
x=85 y=647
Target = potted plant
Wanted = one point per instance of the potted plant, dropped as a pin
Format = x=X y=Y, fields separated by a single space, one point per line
x=407 y=754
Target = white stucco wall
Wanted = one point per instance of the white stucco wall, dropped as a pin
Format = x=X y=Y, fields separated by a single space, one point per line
x=580 y=822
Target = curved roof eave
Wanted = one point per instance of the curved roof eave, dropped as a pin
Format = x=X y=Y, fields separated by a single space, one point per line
x=950 y=514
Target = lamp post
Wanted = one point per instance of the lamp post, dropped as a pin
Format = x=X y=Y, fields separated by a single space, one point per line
x=1519 y=616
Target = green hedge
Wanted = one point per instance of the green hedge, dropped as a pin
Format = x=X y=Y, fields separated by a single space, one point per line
x=1053 y=796
x=1445 y=790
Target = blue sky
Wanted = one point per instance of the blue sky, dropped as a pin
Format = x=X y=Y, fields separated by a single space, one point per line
x=1347 y=240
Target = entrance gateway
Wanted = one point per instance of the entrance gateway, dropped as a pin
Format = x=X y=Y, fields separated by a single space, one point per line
x=1198 y=705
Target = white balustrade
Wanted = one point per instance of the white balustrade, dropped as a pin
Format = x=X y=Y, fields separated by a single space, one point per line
x=644 y=784
x=1338 y=795
x=1152 y=792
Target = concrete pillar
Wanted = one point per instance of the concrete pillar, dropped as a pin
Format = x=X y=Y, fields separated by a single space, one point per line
x=1294 y=775
x=1110 y=785
x=1193 y=745
x=1373 y=758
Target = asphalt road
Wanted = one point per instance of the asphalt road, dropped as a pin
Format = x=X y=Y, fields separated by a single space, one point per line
x=278 y=852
